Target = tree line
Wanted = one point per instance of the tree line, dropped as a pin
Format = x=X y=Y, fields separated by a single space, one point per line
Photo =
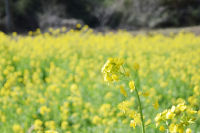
x=25 y=15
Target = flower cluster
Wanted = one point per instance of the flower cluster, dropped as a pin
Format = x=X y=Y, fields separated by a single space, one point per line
x=176 y=119
x=194 y=100
x=111 y=69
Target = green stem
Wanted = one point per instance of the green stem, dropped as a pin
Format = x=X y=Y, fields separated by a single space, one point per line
x=139 y=101
x=140 y=108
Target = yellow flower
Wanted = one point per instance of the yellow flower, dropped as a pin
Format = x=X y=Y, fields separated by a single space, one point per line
x=44 y=110
x=107 y=130
x=3 y=118
x=133 y=124
x=132 y=85
x=124 y=106
x=162 y=128
x=111 y=68
x=78 y=26
x=115 y=77
x=17 y=128
x=108 y=95
x=127 y=74
x=193 y=100
x=148 y=122
x=173 y=128
x=96 y=120
x=156 y=104
x=38 y=124
x=51 y=131
x=158 y=117
x=181 y=107
x=188 y=130
x=64 y=125
x=136 y=66
x=19 y=110
x=123 y=91
x=191 y=111
x=107 y=78
x=170 y=115
x=50 y=124
x=196 y=90
x=180 y=129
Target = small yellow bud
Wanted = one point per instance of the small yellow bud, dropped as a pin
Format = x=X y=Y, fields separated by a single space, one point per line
x=123 y=91
x=132 y=85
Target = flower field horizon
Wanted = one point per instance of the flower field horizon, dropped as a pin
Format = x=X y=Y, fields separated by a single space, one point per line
x=52 y=82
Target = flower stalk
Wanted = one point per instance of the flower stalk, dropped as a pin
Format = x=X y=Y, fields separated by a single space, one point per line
x=140 y=109
x=112 y=71
x=139 y=101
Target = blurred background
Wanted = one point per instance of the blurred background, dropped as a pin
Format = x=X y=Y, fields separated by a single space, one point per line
x=26 y=15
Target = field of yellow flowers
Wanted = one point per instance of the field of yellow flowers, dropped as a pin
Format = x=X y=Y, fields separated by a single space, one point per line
x=52 y=82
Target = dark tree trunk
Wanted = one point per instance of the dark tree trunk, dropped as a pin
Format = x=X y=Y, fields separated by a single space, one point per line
x=9 y=24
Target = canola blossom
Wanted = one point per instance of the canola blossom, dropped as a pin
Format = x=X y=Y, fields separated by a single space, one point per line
x=52 y=82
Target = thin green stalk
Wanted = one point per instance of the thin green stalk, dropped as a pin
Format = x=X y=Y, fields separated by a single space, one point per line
x=140 y=108
x=140 y=105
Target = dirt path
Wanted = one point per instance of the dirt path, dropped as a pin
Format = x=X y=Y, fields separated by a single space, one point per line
x=167 y=31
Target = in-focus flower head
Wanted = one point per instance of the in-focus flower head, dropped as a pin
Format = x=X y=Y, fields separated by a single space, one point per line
x=111 y=69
